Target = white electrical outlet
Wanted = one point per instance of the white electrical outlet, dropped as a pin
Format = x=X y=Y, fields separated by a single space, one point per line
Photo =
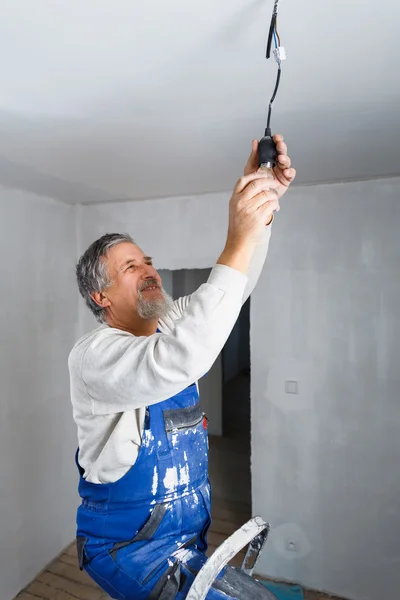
x=292 y=545
x=292 y=387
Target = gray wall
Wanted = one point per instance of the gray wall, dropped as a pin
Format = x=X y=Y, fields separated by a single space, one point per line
x=168 y=281
x=324 y=461
x=326 y=314
x=37 y=436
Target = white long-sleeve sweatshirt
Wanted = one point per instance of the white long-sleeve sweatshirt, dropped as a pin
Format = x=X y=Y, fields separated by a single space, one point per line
x=115 y=375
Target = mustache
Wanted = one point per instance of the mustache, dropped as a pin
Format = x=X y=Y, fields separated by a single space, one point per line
x=149 y=283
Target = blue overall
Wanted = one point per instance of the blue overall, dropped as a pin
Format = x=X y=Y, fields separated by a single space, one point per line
x=145 y=536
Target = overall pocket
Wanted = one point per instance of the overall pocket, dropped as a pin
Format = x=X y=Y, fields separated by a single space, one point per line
x=147 y=561
x=80 y=548
x=148 y=530
x=205 y=493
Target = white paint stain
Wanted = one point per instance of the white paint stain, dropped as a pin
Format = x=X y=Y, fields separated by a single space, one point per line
x=184 y=477
x=155 y=482
x=184 y=555
x=185 y=456
x=147 y=438
x=174 y=440
x=190 y=554
x=171 y=479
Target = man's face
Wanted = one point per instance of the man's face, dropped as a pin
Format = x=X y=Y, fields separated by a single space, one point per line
x=136 y=285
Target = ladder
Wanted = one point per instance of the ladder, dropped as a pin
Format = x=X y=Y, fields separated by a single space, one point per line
x=254 y=533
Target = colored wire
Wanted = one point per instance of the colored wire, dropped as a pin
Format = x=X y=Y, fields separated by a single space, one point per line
x=276 y=31
x=273 y=29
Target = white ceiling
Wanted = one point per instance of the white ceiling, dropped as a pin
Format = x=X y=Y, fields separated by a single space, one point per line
x=118 y=99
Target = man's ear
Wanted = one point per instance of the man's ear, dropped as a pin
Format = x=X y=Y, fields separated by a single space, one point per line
x=101 y=299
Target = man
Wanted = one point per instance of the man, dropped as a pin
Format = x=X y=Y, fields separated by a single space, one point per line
x=145 y=512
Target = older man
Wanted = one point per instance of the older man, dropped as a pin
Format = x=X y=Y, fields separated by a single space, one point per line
x=145 y=511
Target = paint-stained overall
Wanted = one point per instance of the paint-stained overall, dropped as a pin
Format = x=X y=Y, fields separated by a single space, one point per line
x=144 y=536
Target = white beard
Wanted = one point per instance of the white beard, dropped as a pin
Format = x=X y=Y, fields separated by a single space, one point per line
x=155 y=308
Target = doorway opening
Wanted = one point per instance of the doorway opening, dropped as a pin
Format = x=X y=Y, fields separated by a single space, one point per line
x=225 y=397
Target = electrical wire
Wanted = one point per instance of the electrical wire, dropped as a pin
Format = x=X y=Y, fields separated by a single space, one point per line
x=270 y=36
x=276 y=31
x=267 y=148
x=273 y=35
x=276 y=7
x=278 y=80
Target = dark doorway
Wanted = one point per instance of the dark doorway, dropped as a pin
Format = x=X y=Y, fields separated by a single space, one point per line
x=225 y=397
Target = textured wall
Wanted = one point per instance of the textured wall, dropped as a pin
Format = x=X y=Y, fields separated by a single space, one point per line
x=38 y=321
x=325 y=461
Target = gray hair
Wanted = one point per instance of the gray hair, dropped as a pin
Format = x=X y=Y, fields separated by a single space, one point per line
x=92 y=273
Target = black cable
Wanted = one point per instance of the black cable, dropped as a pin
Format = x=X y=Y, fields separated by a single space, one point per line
x=270 y=36
x=272 y=28
x=273 y=31
x=278 y=79
x=267 y=152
